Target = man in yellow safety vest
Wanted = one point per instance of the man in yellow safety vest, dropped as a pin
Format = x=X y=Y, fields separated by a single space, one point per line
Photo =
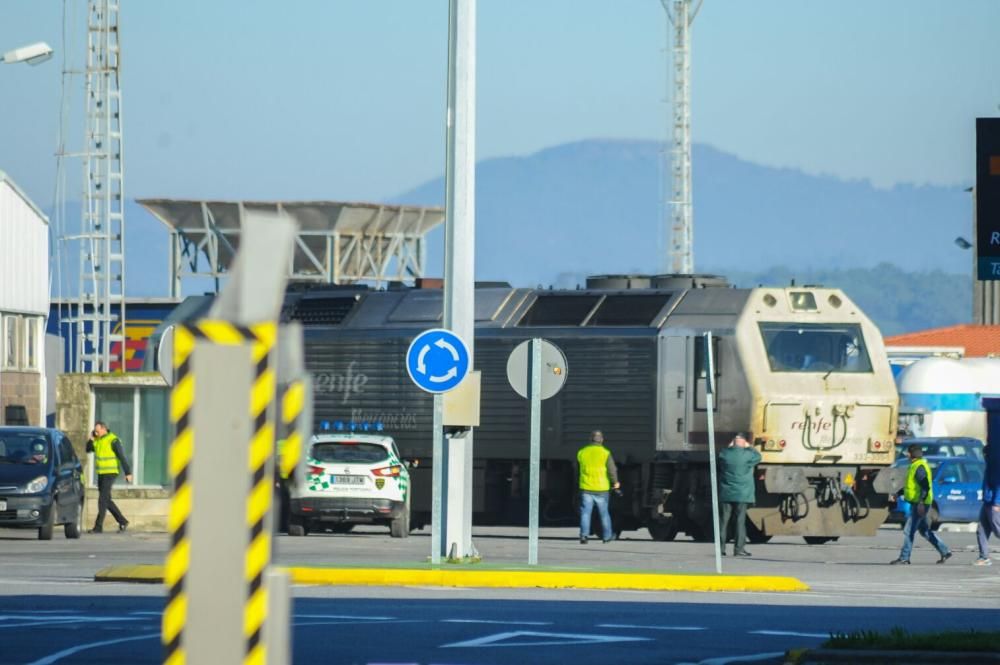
x=598 y=475
x=109 y=460
x=919 y=493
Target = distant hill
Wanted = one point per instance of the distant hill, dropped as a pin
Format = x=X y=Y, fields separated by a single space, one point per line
x=595 y=206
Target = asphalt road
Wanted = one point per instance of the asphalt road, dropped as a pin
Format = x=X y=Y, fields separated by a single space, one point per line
x=357 y=630
x=50 y=605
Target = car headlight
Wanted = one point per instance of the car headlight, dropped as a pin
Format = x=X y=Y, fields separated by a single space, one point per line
x=37 y=485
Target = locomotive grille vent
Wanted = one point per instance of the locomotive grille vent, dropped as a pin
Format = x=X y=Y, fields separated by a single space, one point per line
x=322 y=311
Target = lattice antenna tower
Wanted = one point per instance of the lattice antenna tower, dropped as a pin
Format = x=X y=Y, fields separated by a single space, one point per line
x=680 y=220
x=99 y=316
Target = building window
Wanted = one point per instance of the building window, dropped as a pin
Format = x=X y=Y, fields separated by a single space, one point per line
x=139 y=417
x=10 y=342
x=30 y=329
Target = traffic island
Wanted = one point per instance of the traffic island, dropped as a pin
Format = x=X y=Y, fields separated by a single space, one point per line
x=498 y=579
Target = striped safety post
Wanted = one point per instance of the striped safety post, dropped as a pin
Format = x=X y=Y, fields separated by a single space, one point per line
x=261 y=339
x=292 y=405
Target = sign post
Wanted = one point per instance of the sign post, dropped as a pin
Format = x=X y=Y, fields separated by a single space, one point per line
x=437 y=362
x=536 y=369
x=710 y=412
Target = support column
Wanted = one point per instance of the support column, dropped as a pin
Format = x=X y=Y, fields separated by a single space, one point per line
x=460 y=244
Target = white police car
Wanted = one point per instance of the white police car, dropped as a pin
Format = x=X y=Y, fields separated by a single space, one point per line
x=351 y=477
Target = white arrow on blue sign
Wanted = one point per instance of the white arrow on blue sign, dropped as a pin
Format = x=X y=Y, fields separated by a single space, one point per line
x=437 y=360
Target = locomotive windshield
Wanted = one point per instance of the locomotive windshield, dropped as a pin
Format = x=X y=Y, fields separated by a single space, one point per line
x=815 y=347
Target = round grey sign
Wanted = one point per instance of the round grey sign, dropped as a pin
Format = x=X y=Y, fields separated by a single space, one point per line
x=553 y=366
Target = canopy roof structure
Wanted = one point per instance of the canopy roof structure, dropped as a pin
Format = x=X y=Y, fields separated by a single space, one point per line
x=337 y=242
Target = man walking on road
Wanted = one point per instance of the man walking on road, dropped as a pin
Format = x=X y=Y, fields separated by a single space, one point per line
x=598 y=475
x=736 y=490
x=989 y=513
x=919 y=492
x=109 y=460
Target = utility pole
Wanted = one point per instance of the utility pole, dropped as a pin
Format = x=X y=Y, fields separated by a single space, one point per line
x=100 y=300
x=680 y=224
x=459 y=258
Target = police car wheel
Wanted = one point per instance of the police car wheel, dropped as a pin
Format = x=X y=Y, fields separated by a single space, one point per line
x=400 y=527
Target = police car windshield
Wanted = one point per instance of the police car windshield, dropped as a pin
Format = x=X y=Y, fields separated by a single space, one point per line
x=24 y=448
x=815 y=347
x=349 y=452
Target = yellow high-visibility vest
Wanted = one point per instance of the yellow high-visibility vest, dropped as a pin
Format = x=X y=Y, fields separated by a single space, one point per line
x=911 y=491
x=593 y=461
x=105 y=460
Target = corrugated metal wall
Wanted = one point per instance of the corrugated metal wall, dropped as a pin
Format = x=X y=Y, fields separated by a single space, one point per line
x=24 y=255
x=611 y=385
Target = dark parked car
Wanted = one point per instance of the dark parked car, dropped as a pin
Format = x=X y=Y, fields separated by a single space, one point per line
x=944 y=446
x=40 y=481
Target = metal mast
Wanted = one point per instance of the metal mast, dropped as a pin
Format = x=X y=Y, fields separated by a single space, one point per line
x=680 y=15
x=101 y=298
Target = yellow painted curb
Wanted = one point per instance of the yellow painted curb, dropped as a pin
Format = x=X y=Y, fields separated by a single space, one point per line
x=147 y=573
x=497 y=579
x=542 y=580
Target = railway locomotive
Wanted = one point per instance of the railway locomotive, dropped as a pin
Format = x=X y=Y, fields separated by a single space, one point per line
x=802 y=370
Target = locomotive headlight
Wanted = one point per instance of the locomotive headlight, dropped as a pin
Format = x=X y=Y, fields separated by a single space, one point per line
x=879 y=446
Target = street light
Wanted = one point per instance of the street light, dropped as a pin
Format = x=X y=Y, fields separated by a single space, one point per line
x=33 y=54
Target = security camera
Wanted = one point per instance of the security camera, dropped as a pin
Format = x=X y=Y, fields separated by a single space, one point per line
x=33 y=54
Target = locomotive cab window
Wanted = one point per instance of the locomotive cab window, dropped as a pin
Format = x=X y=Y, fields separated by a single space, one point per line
x=815 y=347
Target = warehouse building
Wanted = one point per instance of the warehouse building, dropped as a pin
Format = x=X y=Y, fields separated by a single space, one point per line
x=24 y=305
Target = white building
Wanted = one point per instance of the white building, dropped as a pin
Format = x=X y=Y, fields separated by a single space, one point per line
x=24 y=304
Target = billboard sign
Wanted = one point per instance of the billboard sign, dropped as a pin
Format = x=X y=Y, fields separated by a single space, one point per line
x=988 y=198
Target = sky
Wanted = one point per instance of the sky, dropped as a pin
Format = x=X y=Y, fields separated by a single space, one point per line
x=344 y=99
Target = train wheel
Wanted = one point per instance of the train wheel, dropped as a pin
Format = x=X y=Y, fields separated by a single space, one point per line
x=662 y=530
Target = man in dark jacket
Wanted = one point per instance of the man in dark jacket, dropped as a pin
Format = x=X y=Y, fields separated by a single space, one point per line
x=989 y=513
x=736 y=489
x=109 y=461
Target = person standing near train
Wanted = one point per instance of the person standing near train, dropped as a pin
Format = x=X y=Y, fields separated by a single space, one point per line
x=736 y=490
x=598 y=476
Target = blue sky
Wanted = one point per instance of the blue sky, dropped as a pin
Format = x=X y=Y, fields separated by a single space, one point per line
x=343 y=99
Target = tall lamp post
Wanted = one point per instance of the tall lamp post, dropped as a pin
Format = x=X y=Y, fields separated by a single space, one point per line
x=33 y=54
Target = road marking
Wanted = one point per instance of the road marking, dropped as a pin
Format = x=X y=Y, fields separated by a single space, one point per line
x=544 y=639
x=787 y=633
x=56 y=620
x=509 y=623
x=628 y=625
x=56 y=657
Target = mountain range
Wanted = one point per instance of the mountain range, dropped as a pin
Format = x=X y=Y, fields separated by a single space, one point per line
x=597 y=207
